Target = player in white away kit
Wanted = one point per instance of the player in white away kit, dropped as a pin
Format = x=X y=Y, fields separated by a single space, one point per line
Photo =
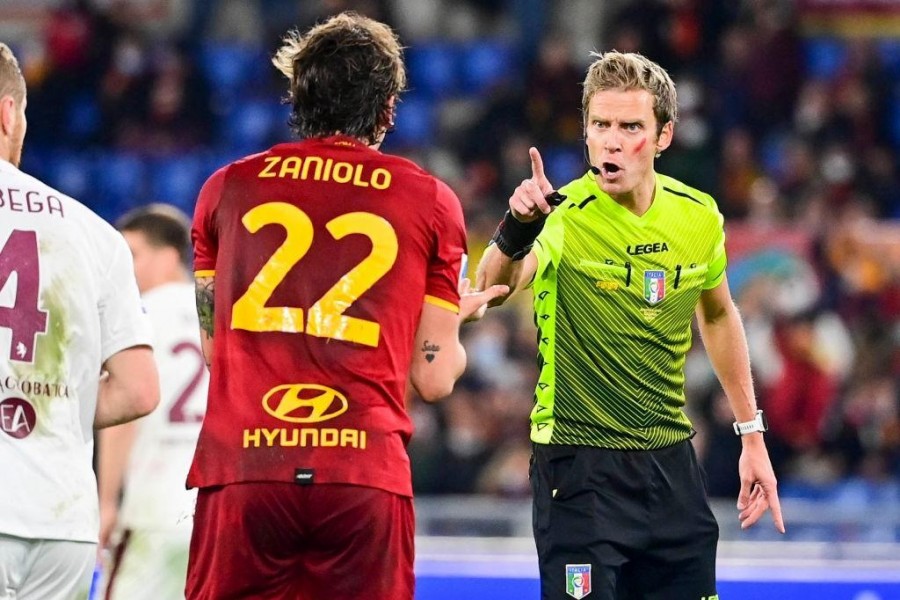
x=151 y=457
x=74 y=355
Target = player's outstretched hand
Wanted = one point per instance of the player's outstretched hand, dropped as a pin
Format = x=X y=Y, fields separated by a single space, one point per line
x=473 y=304
x=528 y=201
x=759 y=489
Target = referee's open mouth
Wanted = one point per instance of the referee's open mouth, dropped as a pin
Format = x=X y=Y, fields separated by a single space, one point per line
x=610 y=170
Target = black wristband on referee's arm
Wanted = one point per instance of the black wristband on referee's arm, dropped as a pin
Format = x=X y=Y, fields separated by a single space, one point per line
x=514 y=238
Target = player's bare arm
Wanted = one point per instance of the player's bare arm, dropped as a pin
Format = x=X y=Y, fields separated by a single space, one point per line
x=129 y=390
x=507 y=260
x=113 y=452
x=205 y=294
x=726 y=344
x=438 y=357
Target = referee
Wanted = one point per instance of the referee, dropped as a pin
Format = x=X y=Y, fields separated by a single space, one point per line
x=619 y=261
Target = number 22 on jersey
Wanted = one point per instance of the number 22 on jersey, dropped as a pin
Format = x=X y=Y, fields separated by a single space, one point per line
x=325 y=318
x=24 y=318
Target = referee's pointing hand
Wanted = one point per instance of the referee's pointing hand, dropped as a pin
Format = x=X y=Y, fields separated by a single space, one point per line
x=528 y=202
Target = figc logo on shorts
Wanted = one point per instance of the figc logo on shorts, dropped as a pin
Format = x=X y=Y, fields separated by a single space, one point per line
x=654 y=286
x=304 y=403
x=578 y=580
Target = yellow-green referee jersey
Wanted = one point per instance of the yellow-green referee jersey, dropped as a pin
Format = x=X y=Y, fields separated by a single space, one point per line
x=614 y=295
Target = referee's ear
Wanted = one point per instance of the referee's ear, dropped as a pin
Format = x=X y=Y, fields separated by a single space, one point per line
x=665 y=136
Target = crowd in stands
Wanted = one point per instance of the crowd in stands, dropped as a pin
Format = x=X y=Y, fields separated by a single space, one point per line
x=796 y=135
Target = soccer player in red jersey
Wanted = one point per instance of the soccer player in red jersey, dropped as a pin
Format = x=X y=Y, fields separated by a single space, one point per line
x=327 y=276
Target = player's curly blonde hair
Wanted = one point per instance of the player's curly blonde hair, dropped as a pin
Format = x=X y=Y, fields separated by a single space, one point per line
x=12 y=83
x=632 y=71
x=342 y=75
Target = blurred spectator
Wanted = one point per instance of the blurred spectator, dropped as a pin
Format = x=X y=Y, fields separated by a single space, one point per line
x=553 y=91
x=122 y=87
x=236 y=21
x=738 y=174
x=774 y=67
x=798 y=401
x=173 y=110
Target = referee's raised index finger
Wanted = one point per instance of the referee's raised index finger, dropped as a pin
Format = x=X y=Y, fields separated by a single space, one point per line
x=537 y=164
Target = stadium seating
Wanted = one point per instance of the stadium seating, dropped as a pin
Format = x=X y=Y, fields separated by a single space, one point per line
x=229 y=68
x=564 y=162
x=433 y=69
x=889 y=53
x=415 y=122
x=83 y=117
x=177 y=179
x=486 y=63
x=71 y=173
x=824 y=57
x=253 y=124
x=121 y=183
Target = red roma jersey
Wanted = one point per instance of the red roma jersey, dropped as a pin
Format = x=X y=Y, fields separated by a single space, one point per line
x=323 y=252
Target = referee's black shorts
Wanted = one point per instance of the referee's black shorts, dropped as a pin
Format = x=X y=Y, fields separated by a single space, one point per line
x=623 y=524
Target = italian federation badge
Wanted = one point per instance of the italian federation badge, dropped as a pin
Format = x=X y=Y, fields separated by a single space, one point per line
x=578 y=580
x=654 y=286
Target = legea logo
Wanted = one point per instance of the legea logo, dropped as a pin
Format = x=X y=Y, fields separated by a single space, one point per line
x=304 y=403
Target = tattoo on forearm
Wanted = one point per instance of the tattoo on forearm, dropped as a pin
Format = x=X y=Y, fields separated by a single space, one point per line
x=205 y=288
x=430 y=350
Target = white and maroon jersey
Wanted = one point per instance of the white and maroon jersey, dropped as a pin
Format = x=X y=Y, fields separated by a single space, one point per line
x=68 y=301
x=155 y=496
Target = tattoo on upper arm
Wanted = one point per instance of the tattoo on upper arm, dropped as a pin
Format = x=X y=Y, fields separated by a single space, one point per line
x=430 y=350
x=205 y=288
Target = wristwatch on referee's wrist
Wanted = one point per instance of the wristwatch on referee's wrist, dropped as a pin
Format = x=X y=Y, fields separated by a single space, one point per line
x=757 y=424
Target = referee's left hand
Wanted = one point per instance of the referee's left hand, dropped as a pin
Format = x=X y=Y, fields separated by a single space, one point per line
x=759 y=489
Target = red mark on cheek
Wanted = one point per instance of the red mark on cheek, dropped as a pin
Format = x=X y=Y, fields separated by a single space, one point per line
x=640 y=146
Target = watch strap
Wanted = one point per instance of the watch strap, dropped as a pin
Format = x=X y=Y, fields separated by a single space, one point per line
x=757 y=424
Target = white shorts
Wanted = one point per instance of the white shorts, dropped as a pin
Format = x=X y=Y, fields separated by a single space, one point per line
x=45 y=569
x=147 y=565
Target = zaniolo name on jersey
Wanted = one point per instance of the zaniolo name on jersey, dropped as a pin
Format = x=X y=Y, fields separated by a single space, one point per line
x=322 y=252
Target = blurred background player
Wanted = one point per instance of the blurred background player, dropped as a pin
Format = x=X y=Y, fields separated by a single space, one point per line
x=69 y=309
x=327 y=276
x=146 y=462
x=619 y=270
